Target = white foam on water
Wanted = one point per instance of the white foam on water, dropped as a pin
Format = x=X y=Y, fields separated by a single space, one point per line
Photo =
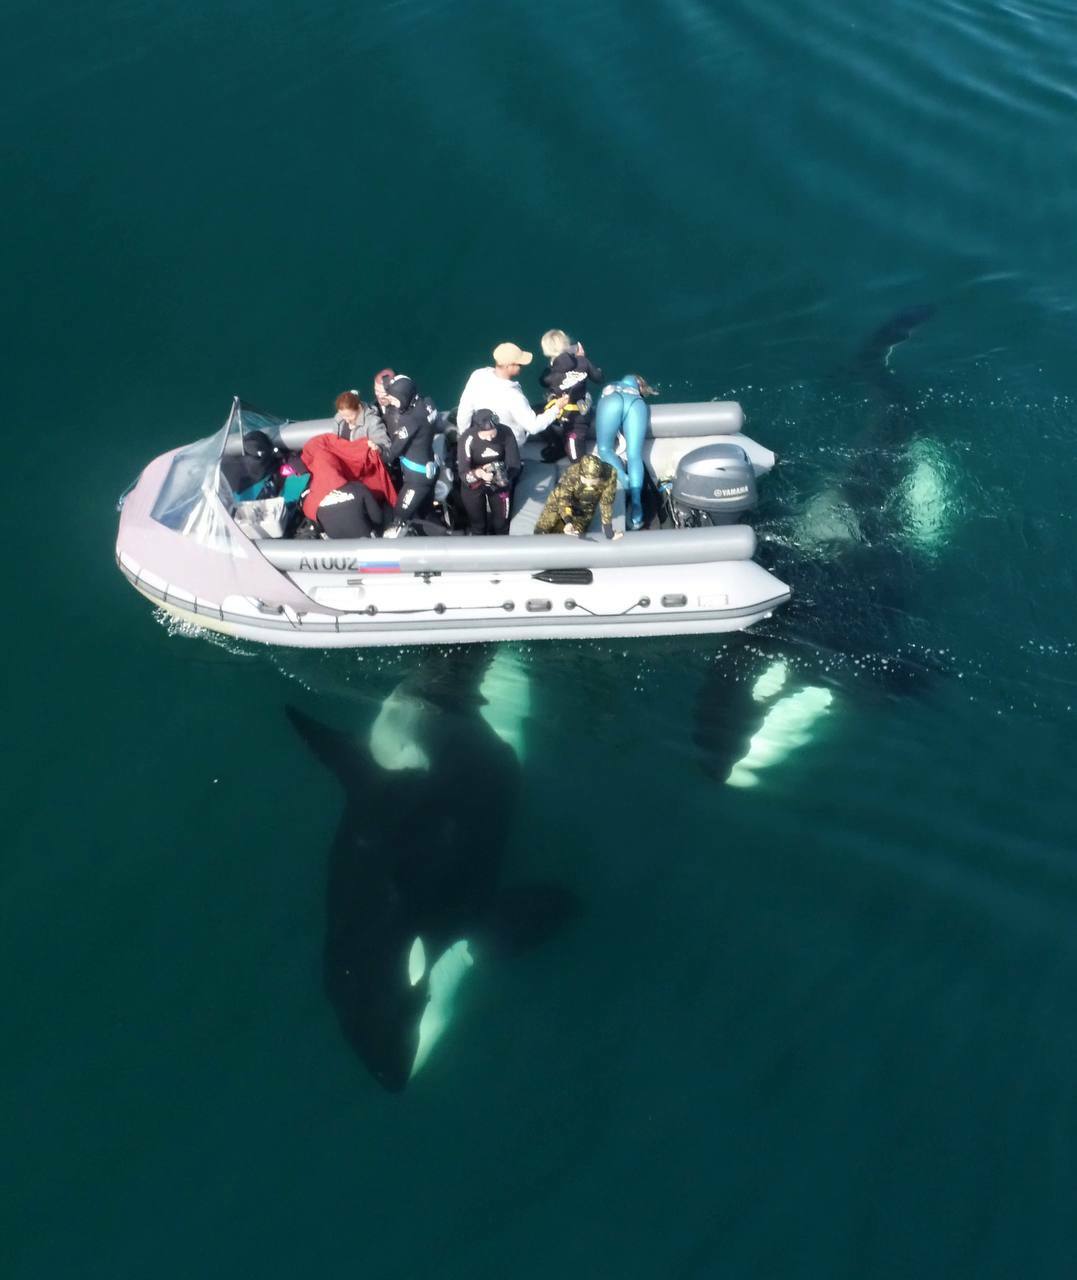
x=448 y=972
x=394 y=735
x=192 y=631
x=506 y=688
x=786 y=727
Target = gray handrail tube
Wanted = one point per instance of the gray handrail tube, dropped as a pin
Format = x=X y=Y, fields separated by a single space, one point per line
x=294 y=435
x=704 y=418
x=531 y=552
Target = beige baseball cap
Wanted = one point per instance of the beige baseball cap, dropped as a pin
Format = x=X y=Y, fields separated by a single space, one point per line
x=510 y=353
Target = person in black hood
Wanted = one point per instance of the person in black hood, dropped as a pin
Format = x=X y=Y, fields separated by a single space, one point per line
x=251 y=474
x=412 y=421
x=488 y=462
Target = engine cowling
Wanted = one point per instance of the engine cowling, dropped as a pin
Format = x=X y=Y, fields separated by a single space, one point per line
x=714 y=485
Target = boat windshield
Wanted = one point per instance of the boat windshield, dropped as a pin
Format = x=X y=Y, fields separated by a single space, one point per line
x=196 y=498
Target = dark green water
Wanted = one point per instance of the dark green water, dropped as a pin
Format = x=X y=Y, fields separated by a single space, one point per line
x=823 y=1027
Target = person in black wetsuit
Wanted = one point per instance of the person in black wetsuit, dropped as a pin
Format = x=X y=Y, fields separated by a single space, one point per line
x=412 y=421
x=252 y=473
x=567 y=374
x=381 y=380
x=351 y=511
x=488 y=462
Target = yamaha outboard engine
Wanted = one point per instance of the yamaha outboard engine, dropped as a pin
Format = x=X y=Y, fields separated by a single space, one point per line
x=713 y=485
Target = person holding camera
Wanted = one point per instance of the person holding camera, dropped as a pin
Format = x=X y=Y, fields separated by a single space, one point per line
x=488 y=463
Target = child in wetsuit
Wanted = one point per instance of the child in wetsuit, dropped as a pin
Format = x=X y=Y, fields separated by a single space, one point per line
x=567 y=373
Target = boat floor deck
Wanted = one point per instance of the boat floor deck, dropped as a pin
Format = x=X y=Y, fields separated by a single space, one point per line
x=536 y=482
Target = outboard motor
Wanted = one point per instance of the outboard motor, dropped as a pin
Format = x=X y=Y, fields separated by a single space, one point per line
x=713 y=485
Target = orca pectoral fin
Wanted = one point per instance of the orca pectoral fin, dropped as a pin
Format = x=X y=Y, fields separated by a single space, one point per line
x=506 y=694
x=337 y=750
x=528 y=915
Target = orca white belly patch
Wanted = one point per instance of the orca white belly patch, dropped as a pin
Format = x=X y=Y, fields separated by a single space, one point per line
x=924 y=496
x=416 y=962
x=446 y=975
x=394 y=735
x=826 y=519
x=770 y=682
x=787 y=725
x=506 y=688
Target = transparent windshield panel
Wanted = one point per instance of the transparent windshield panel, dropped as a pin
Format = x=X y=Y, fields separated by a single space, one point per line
x=195 y=471
x=195 y=497
x=251 y=419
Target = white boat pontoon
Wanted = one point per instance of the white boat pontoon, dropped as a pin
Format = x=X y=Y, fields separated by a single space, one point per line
x=181 y=546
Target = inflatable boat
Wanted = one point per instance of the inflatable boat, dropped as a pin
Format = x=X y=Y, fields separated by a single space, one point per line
x=185 y=545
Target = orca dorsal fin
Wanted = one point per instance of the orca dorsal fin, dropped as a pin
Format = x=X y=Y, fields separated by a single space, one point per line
x=337 y=750
x=875 y=353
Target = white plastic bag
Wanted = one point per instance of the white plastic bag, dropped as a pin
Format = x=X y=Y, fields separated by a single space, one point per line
x=262 y=518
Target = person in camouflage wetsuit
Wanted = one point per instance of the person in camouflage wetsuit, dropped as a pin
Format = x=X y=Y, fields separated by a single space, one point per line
x=570 y=508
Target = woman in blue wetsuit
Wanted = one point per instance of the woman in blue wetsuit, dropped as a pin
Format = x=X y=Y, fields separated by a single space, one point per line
x=622 y=410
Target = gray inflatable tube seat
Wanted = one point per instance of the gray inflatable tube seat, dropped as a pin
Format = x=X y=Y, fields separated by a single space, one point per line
x=710 y=418
x=669 y=422
x=485 y=555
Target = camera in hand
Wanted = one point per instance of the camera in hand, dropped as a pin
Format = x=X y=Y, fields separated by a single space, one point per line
x=499 y=475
